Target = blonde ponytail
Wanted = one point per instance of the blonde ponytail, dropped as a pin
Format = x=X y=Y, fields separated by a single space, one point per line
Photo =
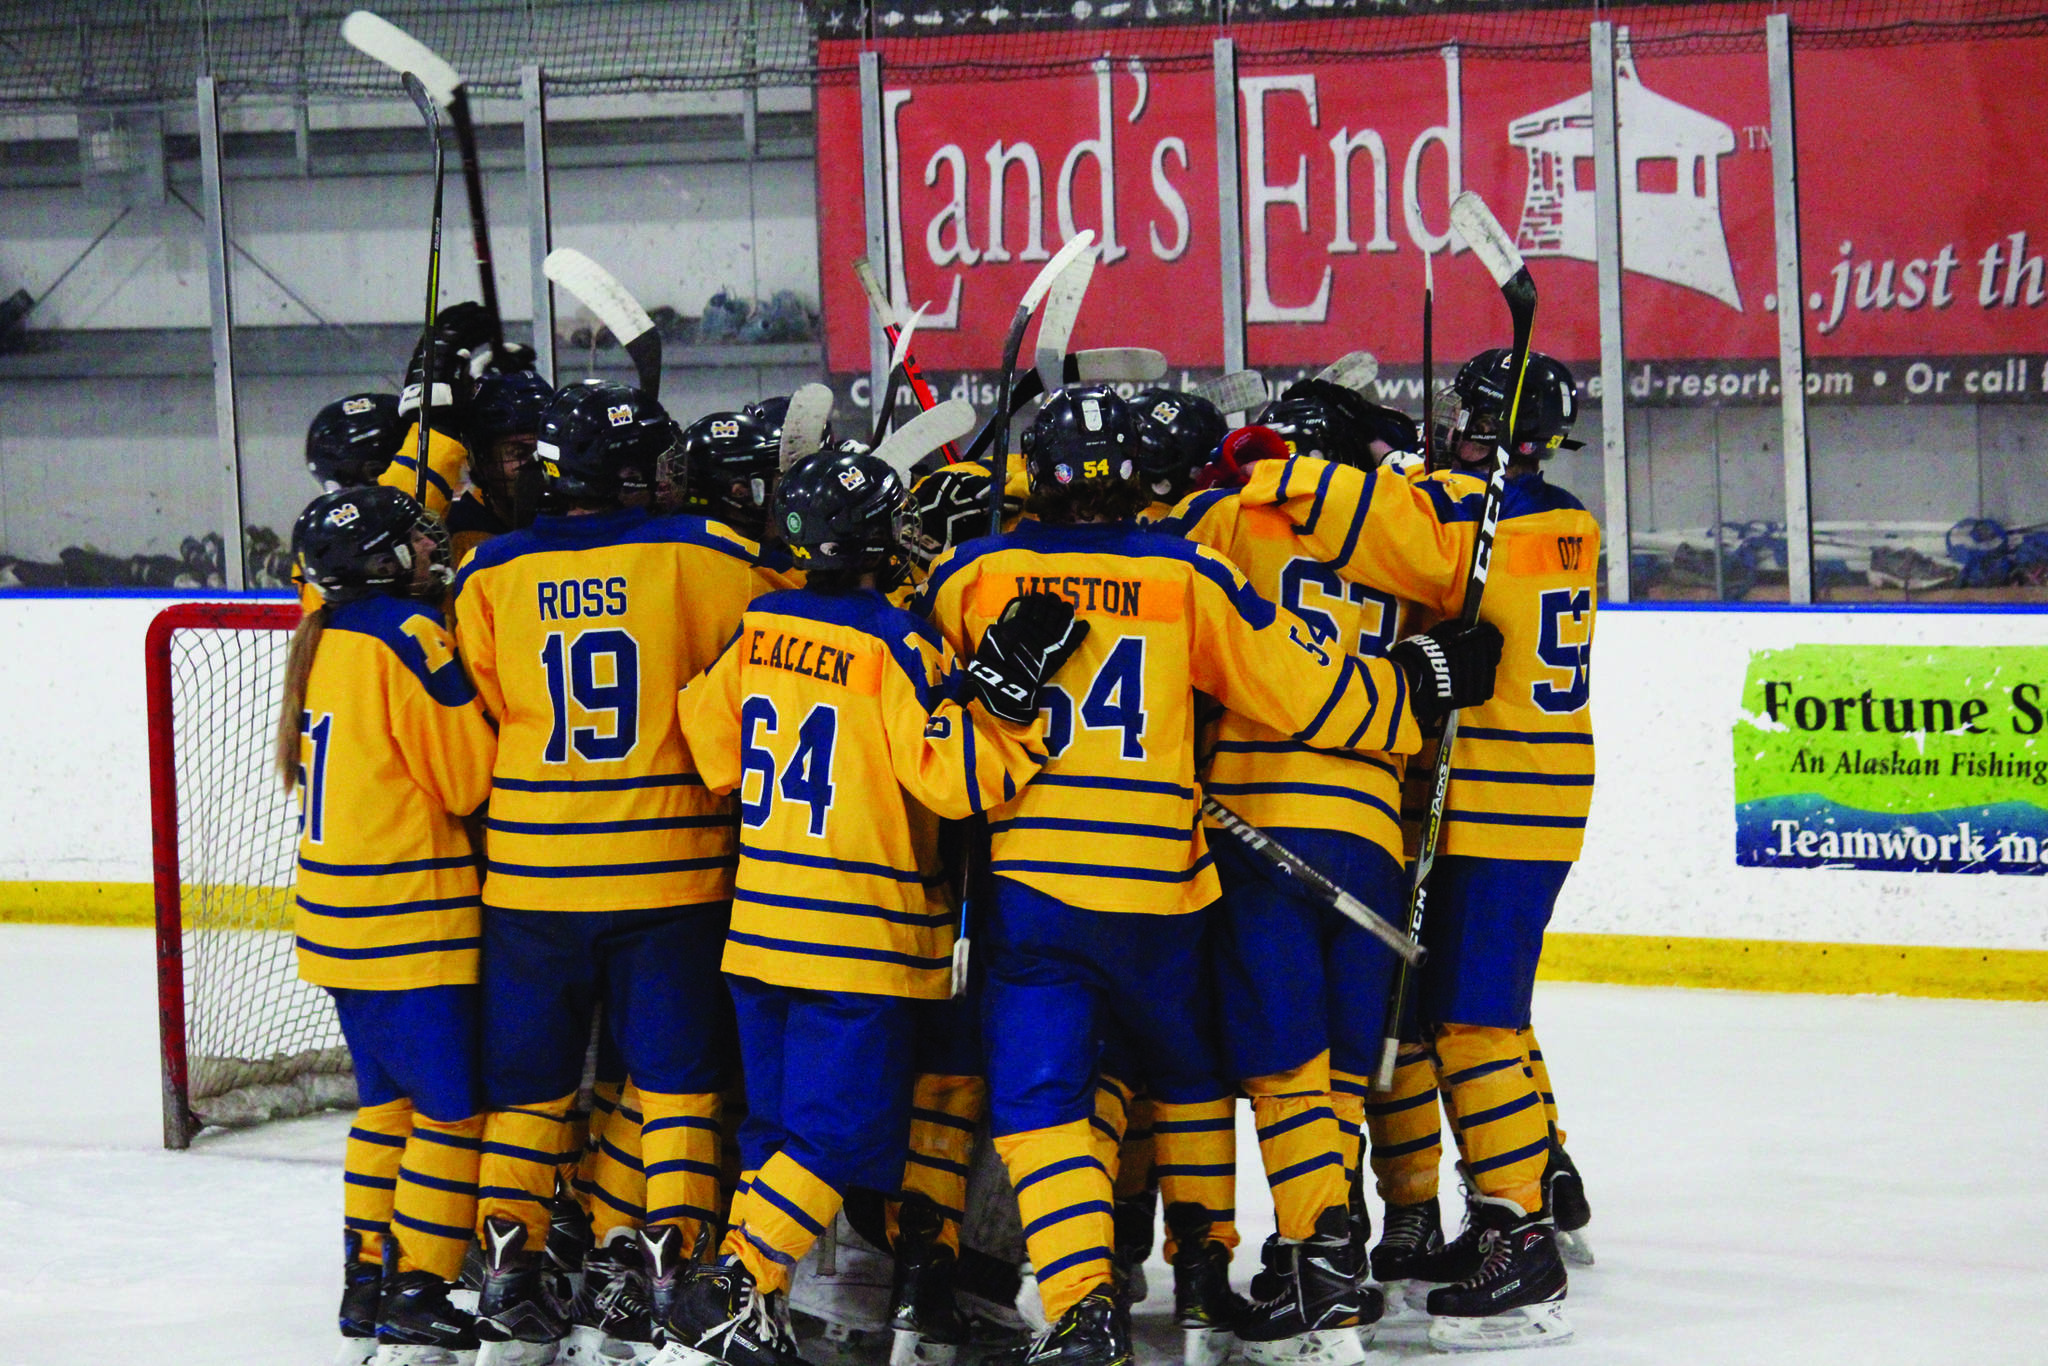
x=298 y=667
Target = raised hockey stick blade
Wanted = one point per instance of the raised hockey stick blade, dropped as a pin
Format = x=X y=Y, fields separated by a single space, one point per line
x=1428 y=360
x=885 y=313
x=885 y=415
x=383 y=41
x=1240 y=391
x=925 y=433
x=1012 y=344
x=597 y=290
x=1056 y=325
x=430 y=112
x=1353 y=371
x=803 y=425
x=1313 y=881
x=1474 y=222
x=1116 y=365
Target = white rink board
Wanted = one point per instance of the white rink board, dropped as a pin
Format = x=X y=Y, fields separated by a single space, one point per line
x=1660 y=850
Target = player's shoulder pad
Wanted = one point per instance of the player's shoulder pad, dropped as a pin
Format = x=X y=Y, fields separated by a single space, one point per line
x=417 y=634
x=688 y=528
x=1532 y=494
x=1192 y=510
x=1454 y=497
x=471 y=513
x=949 y=564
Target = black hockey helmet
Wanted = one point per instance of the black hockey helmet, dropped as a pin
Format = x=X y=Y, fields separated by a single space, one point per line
x=769 y=412
x=1477 y=405
x=1084 y=434
x=356 y=543
x=1177 y=435
x=1316 y=417
x=352 y=439
x=602 y=443
x=730 y=463
x=842 y=511
x=507 y=406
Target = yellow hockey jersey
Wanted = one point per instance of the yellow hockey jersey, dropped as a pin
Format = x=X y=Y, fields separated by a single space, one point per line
x=831 y=715
x=394 y=751
x=447 y=468
x=1522 y=776
x=1269 y=778
x=1111 y=824
x=579 y=632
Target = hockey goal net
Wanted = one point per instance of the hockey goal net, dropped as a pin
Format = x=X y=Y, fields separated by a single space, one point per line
x=244 y=1040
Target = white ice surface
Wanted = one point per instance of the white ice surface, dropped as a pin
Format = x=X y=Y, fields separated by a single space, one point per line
x=1774 y=1179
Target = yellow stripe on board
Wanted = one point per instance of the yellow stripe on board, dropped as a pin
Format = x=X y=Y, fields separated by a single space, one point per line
x=1790 y=965
x=78 y=903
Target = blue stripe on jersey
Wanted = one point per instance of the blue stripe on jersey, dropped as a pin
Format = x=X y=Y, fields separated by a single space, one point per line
x=605 y=827
x=1512 y=818
x=1015 y=865
x=1524 y=737
x=390 y=950
x=864 y=610
x=1191 y=514
x=967 y=765
x=596 y=784
x=810 y=950
x=834 y=864
x=1150 y=832
x=411 y=464
x=1315 y=509
x=1449 y=509
x=1358 y=519
x=681 y=865
x=452 y=903
x=1124 y=539
x=1144 y=785
x=1302 y=790
x=1497 y=775
x=619 y=526
x=1297 y=747
x=1400 y=705
x=418 y=865
x=1351 y=664
x=810 y=903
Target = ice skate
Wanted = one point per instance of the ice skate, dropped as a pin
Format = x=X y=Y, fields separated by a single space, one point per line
x=362 y=1285
x=663 y=1261
x=1564 y=1194
x=1134 y=1217
x=924 y=1318
x=1411 y=1240
x=741 y=1325
x=1095 y=1332
x=611 y=1321
x=1205 y=1308
x=569 y=1238
x=523 y=1309
x=1310 y=1308
x=417 y=1326
x=1515 y=1298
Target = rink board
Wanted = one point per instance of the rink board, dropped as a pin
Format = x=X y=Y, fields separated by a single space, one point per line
x=1658 y=897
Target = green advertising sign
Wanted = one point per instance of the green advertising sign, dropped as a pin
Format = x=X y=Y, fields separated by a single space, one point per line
x=1926 y=760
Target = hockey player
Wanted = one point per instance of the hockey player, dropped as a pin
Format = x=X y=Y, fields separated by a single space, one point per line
x=382 y=737
x=461 y=356
x=1303 y=990
x=1177 y=435
x=829 y=713
x=499 y=429
x=1520 y=788
x=730 y=463
x=609 y=867
x=352 y=439
x=1099 y=865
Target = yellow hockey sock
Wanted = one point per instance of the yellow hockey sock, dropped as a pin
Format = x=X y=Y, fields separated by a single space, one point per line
x=1406 y=1133
x=1196 y=1146
x=1348 y=1092
x=522 y=1148
x=776 y=1219
x=369 y=1172
x=1063 y=1193
x=433 y=1212
x=1532 y=1055
x=679 y=1144
x=1299 y=1144
x=1499 y=1116
x=1135 y=1159
x=613 y=1180
x=1111 y=1121
x=944 y=1111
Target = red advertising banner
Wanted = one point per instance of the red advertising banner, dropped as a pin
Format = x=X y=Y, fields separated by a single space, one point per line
x=1923 y=222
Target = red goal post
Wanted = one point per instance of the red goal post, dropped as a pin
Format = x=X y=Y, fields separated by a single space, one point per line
x=243 y=1040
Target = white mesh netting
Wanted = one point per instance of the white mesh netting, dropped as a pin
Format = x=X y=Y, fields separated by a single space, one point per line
x=261 y=1044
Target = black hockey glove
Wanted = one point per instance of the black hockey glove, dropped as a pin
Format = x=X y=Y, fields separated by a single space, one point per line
x=454 y=384
x=1024 y=647
x=1448 y=667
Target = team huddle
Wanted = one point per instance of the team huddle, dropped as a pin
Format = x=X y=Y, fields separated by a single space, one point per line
x=655 y=781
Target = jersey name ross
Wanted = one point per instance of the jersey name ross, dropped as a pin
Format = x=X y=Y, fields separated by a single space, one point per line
x=568 y=599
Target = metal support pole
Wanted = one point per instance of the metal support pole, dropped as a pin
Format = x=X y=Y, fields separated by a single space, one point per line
x=874 y=196
x=220 y=296
x=1229 y=215
x=1791 y=314
x=1607 y=249
x=540 y=233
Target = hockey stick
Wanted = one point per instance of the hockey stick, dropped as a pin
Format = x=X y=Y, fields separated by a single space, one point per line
x=803 y=424
x=1428 y=360
x=1313 y=881
x=596 y=289
x=1352 y=371
x=925 y=433
x=1012 y=344
x=385 y=42
x=898 y=359
x=417 y=89
x=1056 y=324
x=1490 y=242
x=1240 y=391
x=1096 y=365
x=885 y=313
